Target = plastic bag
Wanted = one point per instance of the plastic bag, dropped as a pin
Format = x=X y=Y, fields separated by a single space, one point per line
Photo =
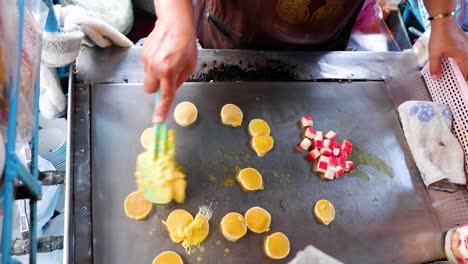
x=370 y=31
x=35 y=15
x=8 y=40
x=118 y=13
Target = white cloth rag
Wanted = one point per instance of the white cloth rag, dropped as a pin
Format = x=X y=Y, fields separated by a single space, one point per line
x=421 y=47
x=312 y=255
x=436 y=151
x=118 y=13
x=78 y=27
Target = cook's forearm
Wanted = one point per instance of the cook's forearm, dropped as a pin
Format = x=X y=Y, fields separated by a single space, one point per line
x=437 y=7
x=180 y=11
x=440 y=7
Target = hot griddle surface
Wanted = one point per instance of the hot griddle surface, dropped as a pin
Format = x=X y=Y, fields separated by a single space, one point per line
x=380 y=220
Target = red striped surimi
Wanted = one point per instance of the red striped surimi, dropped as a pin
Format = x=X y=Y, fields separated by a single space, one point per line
x=331 y=135
x=307 y=121
x=313 y=154
x=310 y=133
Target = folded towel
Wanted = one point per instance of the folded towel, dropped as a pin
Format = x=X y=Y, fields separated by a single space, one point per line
x=436 y=151
x=117 y=13
x=312 y=255
x=78 y=27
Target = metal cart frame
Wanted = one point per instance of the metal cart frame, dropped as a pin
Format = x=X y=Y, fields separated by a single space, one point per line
x=105 y=68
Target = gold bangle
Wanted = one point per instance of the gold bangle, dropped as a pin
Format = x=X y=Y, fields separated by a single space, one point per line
x=441 y=16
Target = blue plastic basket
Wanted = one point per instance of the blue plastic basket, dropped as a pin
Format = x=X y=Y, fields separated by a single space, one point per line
x=420 y=12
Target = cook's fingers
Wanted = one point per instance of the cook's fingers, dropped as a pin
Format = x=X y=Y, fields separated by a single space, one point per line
x=435 y=63
x=168 y=88
x=463 y=64
x=184 y=75
x=150 y=83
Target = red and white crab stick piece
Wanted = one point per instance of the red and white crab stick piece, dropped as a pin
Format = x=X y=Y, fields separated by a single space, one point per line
x=318 y=140
x=313 y=154
x=310 y=133
x=326 y=152
x=319 y=135
x=307 y=121
x=325 y=159
x=349 y=166
x=327 y=143
x=339 y=171
x=304 y=145
x=321 y=166
x=331 y=135
x=336 y=148
x=341 y=161
x=330 y=173
x=318 y=143
x=347 y=146
x=343 y=155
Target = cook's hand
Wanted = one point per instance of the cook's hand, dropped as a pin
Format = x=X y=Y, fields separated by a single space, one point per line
x=169 y=54
x=447 y=40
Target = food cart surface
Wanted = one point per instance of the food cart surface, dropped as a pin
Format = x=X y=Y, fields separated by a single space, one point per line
x=383 y=212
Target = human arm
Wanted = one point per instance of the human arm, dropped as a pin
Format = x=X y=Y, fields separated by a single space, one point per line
x=170 y=52
x=447 y=38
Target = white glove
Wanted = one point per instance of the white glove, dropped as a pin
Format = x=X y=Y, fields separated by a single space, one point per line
x=78 y=27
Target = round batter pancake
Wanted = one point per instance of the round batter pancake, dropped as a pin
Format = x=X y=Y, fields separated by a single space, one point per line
x=231 y=115
x=324 y=211
x=136 y=206
x=258 y=220
x=185 y=114
x=277 y=246
x=262 y=144
x=258 y=127
x=168 y=257
x=233 y=226
x=176 y=223
x=250 y=179
x=147 y=139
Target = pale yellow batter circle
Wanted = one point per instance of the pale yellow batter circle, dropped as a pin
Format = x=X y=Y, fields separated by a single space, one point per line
x=136 y=206
x=262 y=144
x=231 y=115
x=258 y=127
x=324 y=211
x=258 y=220
x=277 y=246
x=185 y=114
x=176 y=223
x=197 y=231
x=168 y=257
x=250 y=179
x=147 y=139
x=233 y=226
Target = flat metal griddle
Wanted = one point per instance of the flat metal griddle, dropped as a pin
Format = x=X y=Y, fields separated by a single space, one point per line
x=371 y=215
x=380 y=220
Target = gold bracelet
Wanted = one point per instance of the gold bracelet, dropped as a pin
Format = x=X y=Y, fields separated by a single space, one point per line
x=441 y=16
